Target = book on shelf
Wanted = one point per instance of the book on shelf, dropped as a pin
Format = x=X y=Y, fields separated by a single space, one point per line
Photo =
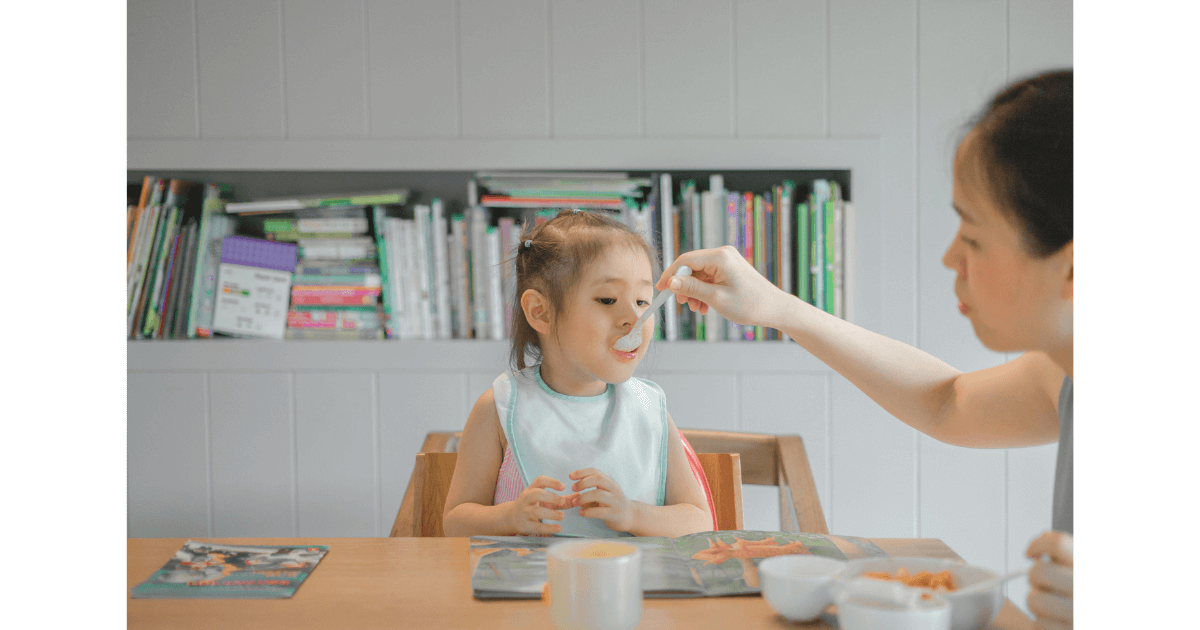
x=202 y=570
x=343 y=248
x=440 y=262
x=357 y=199
x=215 y=225
x=253 y=285
x=703 y=564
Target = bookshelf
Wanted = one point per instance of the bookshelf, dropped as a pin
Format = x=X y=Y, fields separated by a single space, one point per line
x=282 y=420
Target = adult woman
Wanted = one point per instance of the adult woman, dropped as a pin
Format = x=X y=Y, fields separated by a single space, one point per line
x=1014 y=259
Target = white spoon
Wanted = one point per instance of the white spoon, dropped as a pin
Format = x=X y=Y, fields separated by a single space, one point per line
x=631 y=341
x=990 y=583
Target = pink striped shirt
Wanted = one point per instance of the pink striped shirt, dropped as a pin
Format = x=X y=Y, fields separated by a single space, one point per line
x=508 y=483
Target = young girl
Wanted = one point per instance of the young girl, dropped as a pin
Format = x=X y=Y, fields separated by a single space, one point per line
x=576 y=415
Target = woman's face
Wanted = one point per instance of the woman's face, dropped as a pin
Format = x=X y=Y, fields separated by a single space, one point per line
x=1015 y=302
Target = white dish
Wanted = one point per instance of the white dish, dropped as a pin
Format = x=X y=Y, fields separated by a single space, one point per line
x=969 y=611
x=797 y=586
x=860 y=609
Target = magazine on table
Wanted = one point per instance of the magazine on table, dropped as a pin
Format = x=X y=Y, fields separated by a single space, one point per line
x=203 y=570
x=704 y=564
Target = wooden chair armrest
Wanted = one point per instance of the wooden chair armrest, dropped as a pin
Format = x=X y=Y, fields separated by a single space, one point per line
x=800 y=507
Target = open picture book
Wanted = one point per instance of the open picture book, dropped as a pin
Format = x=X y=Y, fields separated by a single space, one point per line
x=203 y=570
x=704 y=564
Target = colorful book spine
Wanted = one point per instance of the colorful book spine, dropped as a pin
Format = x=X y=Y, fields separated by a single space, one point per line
x=335 y=300
x=830 y=246
x=495 y=296
x=221 y=227
x=334 y=319
x=459 y=278
x=667 y=210
x=803 y=250
x=320 y=225
x=733 y=231
x=441 y=269
x=760 y=252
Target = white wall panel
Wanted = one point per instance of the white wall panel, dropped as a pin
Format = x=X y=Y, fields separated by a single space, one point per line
x=872 y=91
x=788 y=404
x=962 y=58
x=781 y=65
x=161 y=66
x=874 y=468
x=962 y=500
x=168 y=455
x=701 y=400
x=337 y=459
x=1030 y=485
x=241 y=68
x=505 y=68
x=253 y=446
x=688 y=67
x=1040 y=36
x=596 y=68
x=412 y=57
x=325 y=68
x=410 y=406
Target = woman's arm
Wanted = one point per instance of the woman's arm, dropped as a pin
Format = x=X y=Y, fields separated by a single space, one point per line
x=1015 y=404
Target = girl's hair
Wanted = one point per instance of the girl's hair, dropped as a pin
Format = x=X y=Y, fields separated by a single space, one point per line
x=552 y=259
x=1025 y=148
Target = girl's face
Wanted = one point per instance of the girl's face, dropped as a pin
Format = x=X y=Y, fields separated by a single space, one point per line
x=1015 y=302
x=614 y=291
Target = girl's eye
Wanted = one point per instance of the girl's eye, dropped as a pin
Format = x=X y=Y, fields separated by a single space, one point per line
x=643 y=303
x=607 y=301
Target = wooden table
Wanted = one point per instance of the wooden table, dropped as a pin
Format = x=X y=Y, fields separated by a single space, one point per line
x=424 y=583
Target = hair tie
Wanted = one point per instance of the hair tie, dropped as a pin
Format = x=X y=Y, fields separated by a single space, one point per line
x=528 y=244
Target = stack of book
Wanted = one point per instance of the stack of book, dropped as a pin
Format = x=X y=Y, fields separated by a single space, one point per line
x=172 y=258
x=337 y=282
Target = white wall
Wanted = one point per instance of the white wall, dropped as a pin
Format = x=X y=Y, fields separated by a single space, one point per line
x=265 y=84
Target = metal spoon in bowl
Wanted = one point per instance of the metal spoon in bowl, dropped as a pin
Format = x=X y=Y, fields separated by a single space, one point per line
x=631 y=341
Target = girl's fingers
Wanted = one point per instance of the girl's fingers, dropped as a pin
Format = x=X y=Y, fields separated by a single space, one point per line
x=535 y=527
x=601 y=512
x=595 y=498
x=547 y=482
x=583 y=472
x=1051 y=607
x=597 y=480
x=1052 y=577
x=541 y=514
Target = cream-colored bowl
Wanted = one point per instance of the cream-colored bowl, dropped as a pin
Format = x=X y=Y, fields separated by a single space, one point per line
x=968 y=611
x=797 y=586
x=865 y=613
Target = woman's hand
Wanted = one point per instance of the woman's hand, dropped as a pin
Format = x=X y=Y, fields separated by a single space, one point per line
x=722 y=279
x=536 y=503
x=605 y=501
x=1052 y=598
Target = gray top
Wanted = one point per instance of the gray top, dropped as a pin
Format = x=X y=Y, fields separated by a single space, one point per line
x=1063 y=519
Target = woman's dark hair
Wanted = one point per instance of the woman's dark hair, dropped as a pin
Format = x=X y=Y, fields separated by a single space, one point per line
x=1025 y=147
x=552 y=259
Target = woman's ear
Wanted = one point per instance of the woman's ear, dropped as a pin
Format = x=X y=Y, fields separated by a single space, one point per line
x=537 y=310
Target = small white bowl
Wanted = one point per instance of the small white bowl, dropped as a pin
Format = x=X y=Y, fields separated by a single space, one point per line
x=797 y=586
x=969 y=611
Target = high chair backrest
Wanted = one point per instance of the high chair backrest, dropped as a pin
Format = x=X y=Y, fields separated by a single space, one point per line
x=433 y=471
x=772 y=460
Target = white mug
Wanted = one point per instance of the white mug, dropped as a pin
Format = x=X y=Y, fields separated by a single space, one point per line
x=594 y=585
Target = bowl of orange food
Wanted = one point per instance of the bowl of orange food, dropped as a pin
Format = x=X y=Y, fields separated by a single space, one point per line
x=970 y=609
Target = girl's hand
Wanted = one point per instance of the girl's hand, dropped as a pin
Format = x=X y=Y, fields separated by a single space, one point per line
x=536 y=503
x=1052 y=598
x=722 y=279
x=604 y=501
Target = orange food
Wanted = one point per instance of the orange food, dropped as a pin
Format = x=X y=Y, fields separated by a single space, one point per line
x=941 y=581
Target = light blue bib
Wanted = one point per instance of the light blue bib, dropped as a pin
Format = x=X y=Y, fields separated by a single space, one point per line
x=622 y=433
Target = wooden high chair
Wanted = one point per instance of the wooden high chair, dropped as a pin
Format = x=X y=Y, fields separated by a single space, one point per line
x=773 y=460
